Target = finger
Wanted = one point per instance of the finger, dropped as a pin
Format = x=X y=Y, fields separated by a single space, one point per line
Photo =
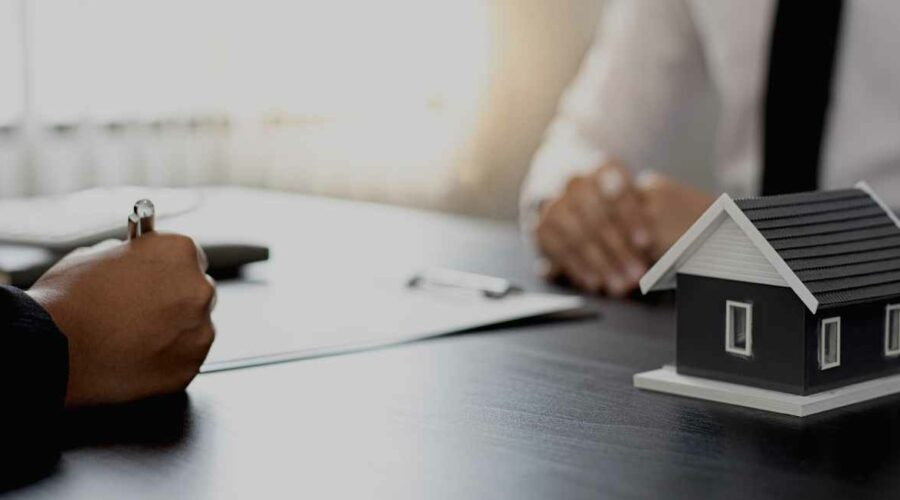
x=210 y=336
x=194 y=349
x=628 y=263
x=631 y=216
x=599 y=261
x=624 y=265
x=649 y=179
x=580 y=273
x=588 y=203
x=202 y=259
x=97 y=247
x=565 y=222
x=206 y=336
x=604 y=265
x=553 y=245
x=612 y=178
x=108 y=243
x=80 y=251
x=548 y=269
x=617 y=186
x=623 y=273
x=214 y=299
x=583 y=265
x=590 y=208
x=648 y=186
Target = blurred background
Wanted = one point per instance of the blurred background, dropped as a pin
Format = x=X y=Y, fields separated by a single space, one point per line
x=437 y=104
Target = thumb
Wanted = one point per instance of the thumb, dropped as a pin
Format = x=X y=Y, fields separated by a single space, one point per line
x=97 y=247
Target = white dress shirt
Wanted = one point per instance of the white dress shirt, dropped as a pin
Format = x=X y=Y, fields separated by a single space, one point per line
x=656 y=57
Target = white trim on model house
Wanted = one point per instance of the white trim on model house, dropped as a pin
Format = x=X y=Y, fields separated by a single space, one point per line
x=864 y=186
x=731 y=344
x=889 y=332
x=662 y=275
x=829 y=356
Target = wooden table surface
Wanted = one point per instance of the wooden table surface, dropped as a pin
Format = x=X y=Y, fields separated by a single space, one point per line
x=537 y=410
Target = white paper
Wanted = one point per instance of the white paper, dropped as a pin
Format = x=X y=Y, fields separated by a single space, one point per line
x=268 y=322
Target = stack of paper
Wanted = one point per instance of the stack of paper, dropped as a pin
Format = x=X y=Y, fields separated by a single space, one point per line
x=272 y=322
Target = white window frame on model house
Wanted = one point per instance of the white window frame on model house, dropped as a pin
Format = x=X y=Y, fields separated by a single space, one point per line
x=730 y=346
x=822 y=329
x=888 y=333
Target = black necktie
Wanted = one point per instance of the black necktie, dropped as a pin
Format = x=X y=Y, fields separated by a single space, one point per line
x=801 y=63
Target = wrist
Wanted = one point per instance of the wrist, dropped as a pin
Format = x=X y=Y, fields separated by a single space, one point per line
x=48 y=346
x=48 y=300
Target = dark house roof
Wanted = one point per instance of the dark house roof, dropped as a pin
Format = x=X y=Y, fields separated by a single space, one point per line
x=833 y=248
x=844 y=245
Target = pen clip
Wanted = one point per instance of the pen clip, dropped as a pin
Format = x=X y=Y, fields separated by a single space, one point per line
x=489 y=286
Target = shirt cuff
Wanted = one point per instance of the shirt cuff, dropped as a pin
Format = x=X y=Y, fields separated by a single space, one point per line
x=34 y=371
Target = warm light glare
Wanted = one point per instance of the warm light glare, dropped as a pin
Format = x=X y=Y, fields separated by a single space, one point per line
x=361 y=98
x=109 y=58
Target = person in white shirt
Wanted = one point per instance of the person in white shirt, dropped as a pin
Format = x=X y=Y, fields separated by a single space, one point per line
x=809 y=97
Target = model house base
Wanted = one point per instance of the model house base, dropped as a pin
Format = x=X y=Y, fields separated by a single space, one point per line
x=667 y=380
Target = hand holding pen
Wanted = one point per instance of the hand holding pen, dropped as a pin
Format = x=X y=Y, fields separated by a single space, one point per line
x=136 y=316
x=142 y=220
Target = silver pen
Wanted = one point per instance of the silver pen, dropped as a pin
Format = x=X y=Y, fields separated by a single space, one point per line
x=141 y=219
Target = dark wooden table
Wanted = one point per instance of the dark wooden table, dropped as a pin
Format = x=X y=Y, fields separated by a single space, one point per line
x=540 y=410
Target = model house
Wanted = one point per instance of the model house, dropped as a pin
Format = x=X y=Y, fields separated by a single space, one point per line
x=797 y=293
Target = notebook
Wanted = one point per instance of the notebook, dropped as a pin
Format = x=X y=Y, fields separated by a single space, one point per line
x=64 y=222
x=36 y=232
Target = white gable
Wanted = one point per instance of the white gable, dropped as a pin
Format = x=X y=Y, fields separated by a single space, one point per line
x=729 y=245
x=728 y=253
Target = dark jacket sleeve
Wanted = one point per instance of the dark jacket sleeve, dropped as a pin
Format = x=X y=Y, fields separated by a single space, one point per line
x=34 y=368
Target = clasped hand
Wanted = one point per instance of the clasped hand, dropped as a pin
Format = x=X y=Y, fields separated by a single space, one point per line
x=606 y=228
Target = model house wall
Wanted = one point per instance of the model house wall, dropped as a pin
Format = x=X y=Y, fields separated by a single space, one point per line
x=778 y=323
x=862 y=356
x=786 y=338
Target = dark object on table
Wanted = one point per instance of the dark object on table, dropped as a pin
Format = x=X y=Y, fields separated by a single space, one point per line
x=22 y=266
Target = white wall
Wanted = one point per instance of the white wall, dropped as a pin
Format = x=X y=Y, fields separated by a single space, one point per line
x=534 y=49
